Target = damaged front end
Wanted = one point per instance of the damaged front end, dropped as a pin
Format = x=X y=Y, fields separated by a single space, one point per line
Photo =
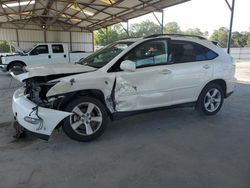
x=36 y=89
x=34 y=111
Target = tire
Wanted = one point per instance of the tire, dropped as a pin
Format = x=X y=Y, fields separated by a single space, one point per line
x=89 y=120
x=16 y=65
x=210 y=100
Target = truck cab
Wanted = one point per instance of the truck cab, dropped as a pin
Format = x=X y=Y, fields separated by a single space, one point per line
x=42 y=53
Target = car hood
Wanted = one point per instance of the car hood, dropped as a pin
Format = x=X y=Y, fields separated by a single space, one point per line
x=52 y=70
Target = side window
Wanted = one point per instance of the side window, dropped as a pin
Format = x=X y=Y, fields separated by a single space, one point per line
x=185 y=51
x=57 y=48
x=41 y=49
x=150 y=53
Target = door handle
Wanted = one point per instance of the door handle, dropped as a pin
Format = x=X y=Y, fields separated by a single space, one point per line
x=206 y=66
x=165 y=71
x=64 y=56
x=49 y=56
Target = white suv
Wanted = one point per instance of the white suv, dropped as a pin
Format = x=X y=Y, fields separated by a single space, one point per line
x=125 y=77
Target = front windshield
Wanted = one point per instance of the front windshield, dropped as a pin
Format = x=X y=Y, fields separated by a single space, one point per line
x=105 y=55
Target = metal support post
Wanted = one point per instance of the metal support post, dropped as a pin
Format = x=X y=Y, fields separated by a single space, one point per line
x=231 y=7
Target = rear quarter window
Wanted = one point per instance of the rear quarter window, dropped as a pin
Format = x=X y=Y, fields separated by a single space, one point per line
x=186 y=51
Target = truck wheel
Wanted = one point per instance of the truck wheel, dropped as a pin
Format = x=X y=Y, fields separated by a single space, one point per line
x=88 y=121
x=210 y=99
x=16 y=66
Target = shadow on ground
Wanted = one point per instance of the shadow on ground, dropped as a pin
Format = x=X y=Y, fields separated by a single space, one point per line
x=169 y=148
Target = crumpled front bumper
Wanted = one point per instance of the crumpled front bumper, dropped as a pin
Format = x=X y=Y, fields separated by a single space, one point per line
x=39 y=120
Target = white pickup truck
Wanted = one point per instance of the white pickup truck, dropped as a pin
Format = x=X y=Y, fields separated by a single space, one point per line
x=43 y=53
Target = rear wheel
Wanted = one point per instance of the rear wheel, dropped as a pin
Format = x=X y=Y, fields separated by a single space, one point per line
x=210 y=99
x=88 y=121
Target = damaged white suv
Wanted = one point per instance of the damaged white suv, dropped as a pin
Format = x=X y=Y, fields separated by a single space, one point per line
x=125 y=77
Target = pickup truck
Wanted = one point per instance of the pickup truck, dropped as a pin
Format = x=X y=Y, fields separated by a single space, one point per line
x=43 y=53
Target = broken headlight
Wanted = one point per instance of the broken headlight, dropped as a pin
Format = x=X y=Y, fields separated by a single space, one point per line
x=36 y=91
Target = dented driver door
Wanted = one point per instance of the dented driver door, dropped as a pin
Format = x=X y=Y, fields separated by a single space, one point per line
x=143 y=89
x=149 y=86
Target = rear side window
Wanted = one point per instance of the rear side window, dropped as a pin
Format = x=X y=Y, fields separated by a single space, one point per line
x=57 y=48
x=185 y=51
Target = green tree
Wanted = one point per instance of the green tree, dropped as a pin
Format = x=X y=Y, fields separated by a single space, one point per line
x=248 y=41
x=109 y=35
x=172 y=28
x=220 y=35
x=196 y=31
x=240 y=39
x=144 y=28
x=4 y=47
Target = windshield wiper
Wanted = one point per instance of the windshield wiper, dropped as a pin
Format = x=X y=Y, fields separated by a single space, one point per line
x=85 y=64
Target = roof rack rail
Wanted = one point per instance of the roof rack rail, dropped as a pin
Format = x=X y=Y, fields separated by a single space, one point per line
x=176 y=35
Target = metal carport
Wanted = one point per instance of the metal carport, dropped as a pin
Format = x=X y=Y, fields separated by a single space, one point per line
x=72 y=22
x=27 y=22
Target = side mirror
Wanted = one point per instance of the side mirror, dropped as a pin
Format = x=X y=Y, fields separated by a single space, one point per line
x=128 y=66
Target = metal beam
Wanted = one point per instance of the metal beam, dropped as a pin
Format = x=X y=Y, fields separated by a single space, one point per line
x=17 y=37
x=161 y=23
x=125 y=29
x=45 y=36
x=231 y=25
x=70 y=40
x=229 y=6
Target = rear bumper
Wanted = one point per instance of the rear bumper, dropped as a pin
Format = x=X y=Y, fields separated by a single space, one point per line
x=38 y=120
x=3 y=67
x=231 y=85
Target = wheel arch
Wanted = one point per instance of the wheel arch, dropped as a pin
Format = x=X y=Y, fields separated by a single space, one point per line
x=222 y=83
x=13 y=62
x=95 y=93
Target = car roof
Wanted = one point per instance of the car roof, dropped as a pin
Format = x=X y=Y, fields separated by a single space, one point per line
x=171 y=36
x=130 y=39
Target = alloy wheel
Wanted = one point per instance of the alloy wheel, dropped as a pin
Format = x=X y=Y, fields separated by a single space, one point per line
x=212 y=100
x=86 y=119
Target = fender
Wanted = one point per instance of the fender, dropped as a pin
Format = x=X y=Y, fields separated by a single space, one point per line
x=76 y=85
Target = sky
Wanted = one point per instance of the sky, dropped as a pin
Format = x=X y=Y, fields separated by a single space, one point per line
x=205 y=14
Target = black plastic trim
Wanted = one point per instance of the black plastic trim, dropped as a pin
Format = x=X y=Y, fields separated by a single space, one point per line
x=120 y=115
x=41 y=136
x=175 y=35
x=229 y=94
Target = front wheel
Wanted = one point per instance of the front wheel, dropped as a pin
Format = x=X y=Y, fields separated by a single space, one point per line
x=210 y=99
x=88 y=121
x=16 y=67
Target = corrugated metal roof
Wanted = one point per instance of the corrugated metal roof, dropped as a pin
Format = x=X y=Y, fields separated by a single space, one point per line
x=86 y=14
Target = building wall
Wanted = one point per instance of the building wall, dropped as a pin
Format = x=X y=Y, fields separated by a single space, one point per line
x=26 y=38
x=241 y=53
